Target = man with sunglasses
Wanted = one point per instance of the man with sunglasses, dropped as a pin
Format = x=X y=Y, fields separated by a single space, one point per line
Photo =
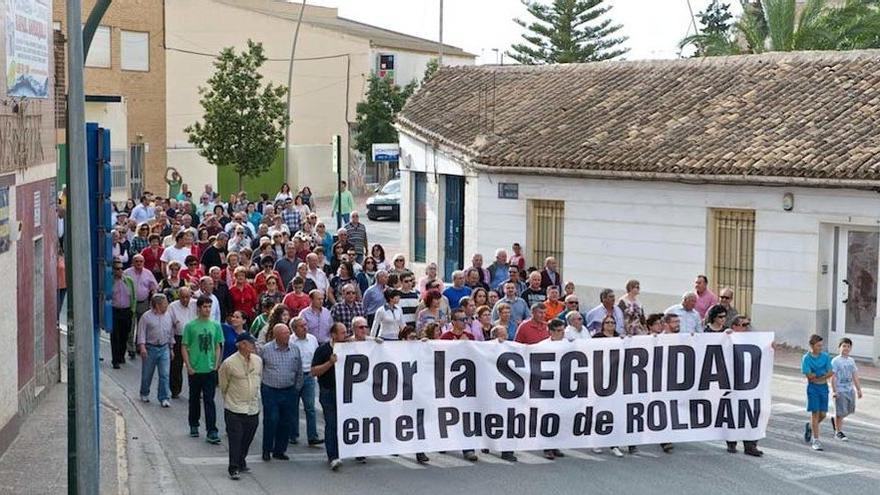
x=123 y=303
x=348 y=308
x=742 y=323
x=726 y=299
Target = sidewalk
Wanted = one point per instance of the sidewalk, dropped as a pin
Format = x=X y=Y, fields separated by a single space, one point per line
x=789 y=359
x=36 y=462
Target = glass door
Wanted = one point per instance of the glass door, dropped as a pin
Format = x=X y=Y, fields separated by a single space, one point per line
x=856 y=270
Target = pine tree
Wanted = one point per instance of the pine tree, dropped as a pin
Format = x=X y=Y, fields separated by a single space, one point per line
x=568 y=31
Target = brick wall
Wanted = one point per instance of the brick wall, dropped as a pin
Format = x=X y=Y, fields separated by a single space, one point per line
x=60 y=81
x=143 y=92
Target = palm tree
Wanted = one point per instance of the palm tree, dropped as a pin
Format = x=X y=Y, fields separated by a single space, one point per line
x=778 y=25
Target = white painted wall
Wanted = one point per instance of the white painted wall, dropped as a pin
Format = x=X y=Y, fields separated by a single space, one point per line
x=657 y=232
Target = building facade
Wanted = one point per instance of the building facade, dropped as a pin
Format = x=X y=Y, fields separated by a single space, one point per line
x=767 y=183
x=28 y=239
x=125 y=90
x=334 y=58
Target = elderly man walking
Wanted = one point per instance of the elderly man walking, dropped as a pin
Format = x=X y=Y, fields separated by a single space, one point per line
x=155 y=338
x=282 y=380
x=307 y=345
x=239 y=378
x=357 y=236
x=606 y=307
x=183 y=311
x=144 y=286
x=689 y=317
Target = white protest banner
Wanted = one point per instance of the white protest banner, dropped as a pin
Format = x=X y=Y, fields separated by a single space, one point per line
x=28 y=27
x=406 y=397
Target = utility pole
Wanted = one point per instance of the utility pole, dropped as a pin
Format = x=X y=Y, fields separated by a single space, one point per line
x=302 y=9
x=440 y=44
x=81 y=329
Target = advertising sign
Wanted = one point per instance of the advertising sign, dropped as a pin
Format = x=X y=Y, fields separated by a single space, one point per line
x=28 y=27
x=386 y=152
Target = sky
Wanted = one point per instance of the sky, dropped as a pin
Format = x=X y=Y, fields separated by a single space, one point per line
x=653 y=27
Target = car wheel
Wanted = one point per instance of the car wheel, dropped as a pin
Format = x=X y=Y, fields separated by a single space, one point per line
x=371 y=217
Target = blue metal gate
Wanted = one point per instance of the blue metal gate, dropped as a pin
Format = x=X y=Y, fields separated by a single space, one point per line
x=454 y=230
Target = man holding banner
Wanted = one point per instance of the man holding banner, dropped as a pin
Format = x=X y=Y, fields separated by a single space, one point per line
x=322 y=367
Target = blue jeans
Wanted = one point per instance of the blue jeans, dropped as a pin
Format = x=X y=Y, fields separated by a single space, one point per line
x=328 y=404
x=278 y=407
x=307 y=395
x=157 y=357
x=344 y=217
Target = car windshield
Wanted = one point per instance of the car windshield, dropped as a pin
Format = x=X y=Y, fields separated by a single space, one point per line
x=391 y=187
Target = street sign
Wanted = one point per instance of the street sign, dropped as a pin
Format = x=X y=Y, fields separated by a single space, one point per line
x=508 y=190
x=386 y=152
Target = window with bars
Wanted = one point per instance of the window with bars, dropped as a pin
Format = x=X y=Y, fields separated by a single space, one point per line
x=545 y=231
x=732 y=255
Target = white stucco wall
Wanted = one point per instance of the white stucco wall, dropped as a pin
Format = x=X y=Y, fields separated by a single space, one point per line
x=657 y=232
x=319 y=86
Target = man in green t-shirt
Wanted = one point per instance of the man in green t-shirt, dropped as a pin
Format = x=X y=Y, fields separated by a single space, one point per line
x=202 y=346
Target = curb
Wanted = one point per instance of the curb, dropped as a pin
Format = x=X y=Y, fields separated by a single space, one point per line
x=121 y=449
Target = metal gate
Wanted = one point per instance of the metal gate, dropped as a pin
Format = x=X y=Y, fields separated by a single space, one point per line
x=545 y=231
x=733 y=255
x=454 y=231
x=136 y=171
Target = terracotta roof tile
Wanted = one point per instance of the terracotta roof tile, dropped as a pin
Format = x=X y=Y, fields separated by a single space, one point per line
x=809 y=115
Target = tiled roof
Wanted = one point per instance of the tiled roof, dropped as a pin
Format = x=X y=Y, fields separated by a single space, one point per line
x=326 y=18
x=809 y=117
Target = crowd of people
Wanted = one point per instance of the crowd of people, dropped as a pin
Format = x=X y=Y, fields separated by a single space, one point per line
x=252 y=295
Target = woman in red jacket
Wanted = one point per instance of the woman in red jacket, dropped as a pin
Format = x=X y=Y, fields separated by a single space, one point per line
x=243 y=294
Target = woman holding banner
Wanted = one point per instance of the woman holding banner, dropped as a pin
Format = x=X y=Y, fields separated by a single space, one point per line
x=609 y=330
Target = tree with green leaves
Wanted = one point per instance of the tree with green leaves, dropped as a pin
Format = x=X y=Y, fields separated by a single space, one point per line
x=243 y=121
x=567 y=31
x=716 y=36
x=375 y=115
x=779 y=25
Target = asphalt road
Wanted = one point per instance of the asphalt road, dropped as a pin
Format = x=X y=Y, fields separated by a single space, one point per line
x=385 y=232
x=163 y=459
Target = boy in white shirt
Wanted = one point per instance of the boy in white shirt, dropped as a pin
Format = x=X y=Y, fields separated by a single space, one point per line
x=846 y=375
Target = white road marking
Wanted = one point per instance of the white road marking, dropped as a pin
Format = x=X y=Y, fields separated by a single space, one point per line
x=493 y=459
x=529 y=458
x=448 y=461
x=577 y=454
x=403 y=461
x=224 y=460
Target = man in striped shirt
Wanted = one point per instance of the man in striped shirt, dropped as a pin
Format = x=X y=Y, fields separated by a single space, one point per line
x=357 y=236
x=409 y=298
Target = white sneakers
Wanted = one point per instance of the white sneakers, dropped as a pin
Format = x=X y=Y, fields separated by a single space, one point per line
x=145 y=398
x=165 y=403
x=335 y=464
x=815 y=444
x=616 y=451
x=597 y=451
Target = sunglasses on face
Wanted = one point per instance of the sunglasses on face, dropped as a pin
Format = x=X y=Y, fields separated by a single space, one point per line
x=726 y=297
